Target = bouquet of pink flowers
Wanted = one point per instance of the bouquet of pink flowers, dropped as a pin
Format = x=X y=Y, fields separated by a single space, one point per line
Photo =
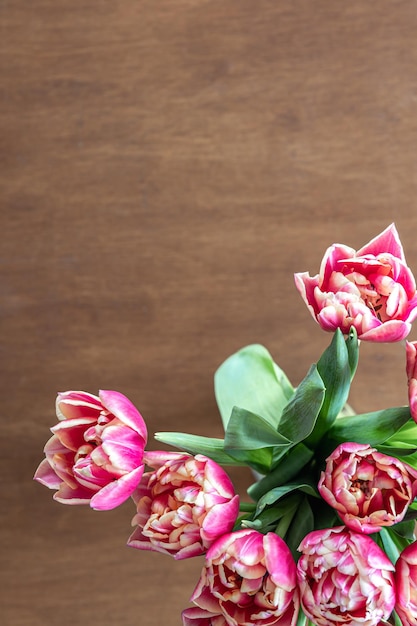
x=328 y=537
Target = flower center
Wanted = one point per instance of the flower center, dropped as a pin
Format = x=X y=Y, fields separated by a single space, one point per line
x=362 y=485
x=83 y=451
x=371 y=296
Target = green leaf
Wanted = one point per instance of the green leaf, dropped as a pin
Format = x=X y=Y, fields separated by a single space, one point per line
x=271 y=517
x=334 y=367
x=302 y=524
x=276 y=493
x=405 y=450
x=324 y=515
x=411 y=514
x=247 y=507
x=194 y=444
x=410 y=459
x=255 y=524
x=300 y=414
x=252 y=440
x=289 y=467
x=373 y=428
x=393 y=543
x=405 y=437
x=352 y=345
x=302 y=620
x=251 y=380
x=259 y=460
x=284 y=523
x=405 y=529
x=247 y=431
x=397 y=620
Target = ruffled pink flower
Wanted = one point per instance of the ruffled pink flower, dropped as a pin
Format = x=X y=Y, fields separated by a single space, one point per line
x=368 y=489
x=95 y=455
x=406 y=582
x=411 y=368
x=371 y=289
x=250 y=579
x=183 y=504
x=344 y=578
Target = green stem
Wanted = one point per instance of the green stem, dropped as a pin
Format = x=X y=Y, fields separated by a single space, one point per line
x=285 y=521
x=247 y=507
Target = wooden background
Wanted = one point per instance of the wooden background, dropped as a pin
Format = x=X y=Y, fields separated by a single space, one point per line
x=166 y=166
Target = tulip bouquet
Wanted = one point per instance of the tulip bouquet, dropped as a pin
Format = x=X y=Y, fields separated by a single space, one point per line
x=328 y=536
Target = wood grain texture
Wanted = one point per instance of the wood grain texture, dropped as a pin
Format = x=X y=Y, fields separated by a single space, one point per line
x=165 y=169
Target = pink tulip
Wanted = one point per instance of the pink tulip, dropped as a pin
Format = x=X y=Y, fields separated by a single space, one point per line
x=95 y=455
x=183 y=505
x=406 y=582
x=250 y=579
x=411 y=368
x=371 y=289
x=344 y=578
x=368 y=489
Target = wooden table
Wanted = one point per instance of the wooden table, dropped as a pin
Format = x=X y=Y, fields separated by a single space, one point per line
x=165 y=169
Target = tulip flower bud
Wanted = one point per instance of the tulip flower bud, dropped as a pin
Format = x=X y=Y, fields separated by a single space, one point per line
x=368 y=489
x=248 y=578
x=183 y=504
x=344 y=578
x=96 y=453
x=371 y=289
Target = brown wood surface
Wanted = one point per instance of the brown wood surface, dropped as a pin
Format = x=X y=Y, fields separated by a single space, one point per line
x=166 y=166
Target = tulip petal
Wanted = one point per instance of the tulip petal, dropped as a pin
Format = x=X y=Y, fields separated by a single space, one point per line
x=46 y=475
x=393 y=330
x=70 y=432
x=406 y=583
x=194 y=616
x=116 y=492
x=68 y=495
x=221 y=516
x=124 y=410
x=387 y=241
x=123 y=446
x=158 y=458
x=77 y=404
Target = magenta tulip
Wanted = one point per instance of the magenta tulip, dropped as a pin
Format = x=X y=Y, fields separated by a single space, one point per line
x=183 y=504
x=95 y=455
x=250 y=579
x=406 y=582
x=371 y=289
x=344 y=578
x=368 y=489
